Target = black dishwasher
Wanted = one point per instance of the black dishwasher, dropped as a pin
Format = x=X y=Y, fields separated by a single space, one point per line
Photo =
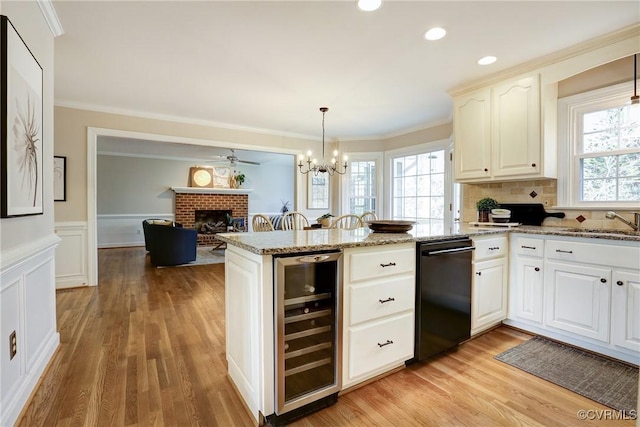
x=443 y=295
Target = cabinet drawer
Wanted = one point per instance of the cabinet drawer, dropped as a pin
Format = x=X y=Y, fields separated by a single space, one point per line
x=367 y=302
x=490 y=248
x=593 y=253
x=366 y=264
x=380 y=343
x=529 y=247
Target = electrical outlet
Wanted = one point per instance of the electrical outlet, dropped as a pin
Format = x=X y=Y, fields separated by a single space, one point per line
x=13 y=345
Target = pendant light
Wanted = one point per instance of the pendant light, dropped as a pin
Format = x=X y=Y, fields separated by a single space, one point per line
x=635 y=99
x=317 y=167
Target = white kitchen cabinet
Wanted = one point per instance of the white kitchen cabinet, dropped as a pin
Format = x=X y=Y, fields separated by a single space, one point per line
x=379 y=315
x=577 y=299
x=489 y=287
x=527 y=279
x=472 y=129
x=625 y=305
x=497 y=133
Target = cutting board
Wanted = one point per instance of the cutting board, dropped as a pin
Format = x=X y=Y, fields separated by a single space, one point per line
x=529 y=213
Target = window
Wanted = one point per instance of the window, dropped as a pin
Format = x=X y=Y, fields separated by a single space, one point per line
x=602 y=149
x=419 y=188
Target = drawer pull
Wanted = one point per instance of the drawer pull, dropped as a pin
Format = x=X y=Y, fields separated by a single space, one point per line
x=382 y=301
x=391 y=264
x=495 y=248
x=619 y=283
x=564 y=252
x=537 y=269
x=385 y=343
x=479 y=273
x=528 y=247
x=603 y=280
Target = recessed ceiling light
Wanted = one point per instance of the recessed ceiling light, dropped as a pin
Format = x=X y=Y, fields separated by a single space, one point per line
x=487 y=60
x=369 y=5
x=435 y=33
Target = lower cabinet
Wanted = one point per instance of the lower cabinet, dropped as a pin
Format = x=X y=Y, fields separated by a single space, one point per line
x=528 y=289
x=625 y=309
x=489 y=296
x=489 y=285
x=379 y=310
x=577 y=299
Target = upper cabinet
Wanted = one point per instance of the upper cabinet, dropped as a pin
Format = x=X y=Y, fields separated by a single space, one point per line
x=498 y=133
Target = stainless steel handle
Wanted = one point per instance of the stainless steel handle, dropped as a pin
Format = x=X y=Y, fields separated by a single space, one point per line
x=528 y=247
x=313 y=258
x=391 y=264
x=449 y=251
x=382 y=301
x=564 y=252
x=385 y=343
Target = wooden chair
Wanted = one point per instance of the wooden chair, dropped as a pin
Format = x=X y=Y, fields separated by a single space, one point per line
x=347 y=222
x=294 y=221
x=261 y=223
x=368 y=216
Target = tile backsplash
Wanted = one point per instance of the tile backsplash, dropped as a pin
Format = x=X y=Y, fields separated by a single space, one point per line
x=543 y=191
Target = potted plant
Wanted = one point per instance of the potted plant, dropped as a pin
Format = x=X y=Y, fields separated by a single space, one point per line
x=324 y=220
x=239 y=179
x=484 y=207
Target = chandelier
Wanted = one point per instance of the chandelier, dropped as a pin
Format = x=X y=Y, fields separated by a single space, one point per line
x=317 y=167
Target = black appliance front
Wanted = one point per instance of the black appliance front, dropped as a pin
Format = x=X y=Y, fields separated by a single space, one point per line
x=443 y=296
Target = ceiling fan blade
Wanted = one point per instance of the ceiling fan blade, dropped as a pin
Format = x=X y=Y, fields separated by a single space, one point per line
x=249 y=162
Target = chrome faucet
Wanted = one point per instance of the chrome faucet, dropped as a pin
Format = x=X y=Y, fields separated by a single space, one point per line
x=636 y=219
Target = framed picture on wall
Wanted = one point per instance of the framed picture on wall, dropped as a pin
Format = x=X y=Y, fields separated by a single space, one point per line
x=21 y=131
x=318 y=191
x=201 y=177
x=59 y=179
x=221 y=175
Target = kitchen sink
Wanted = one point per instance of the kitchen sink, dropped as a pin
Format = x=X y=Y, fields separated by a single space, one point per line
x=603 y=231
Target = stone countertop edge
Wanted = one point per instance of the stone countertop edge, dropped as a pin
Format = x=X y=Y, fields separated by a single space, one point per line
x=285 y=242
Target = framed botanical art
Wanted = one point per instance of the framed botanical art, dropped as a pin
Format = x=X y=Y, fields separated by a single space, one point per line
x=221 y=175
x=21 y=131
x=59 y=179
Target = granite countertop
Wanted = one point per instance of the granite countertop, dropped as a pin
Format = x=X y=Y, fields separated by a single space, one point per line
x=283 y=242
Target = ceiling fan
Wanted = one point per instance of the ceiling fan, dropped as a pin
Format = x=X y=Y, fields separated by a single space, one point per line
x=233 y=159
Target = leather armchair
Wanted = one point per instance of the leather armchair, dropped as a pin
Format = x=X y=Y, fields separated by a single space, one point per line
x=168 y=245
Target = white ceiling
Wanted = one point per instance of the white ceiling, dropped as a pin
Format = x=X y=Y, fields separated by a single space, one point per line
x=270 y=65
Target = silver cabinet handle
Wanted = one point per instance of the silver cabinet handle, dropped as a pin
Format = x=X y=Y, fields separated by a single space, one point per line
x=564 y=252
x=382 y=301
x=391 y=264
x=385 y=343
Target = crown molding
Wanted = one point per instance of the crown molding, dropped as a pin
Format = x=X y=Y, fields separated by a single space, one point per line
x=50 y=15
x=623 y=34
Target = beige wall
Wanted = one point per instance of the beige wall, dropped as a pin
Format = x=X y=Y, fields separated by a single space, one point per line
x=610 y=74
x=27 y=18
x=71 y=141
x=436 y=133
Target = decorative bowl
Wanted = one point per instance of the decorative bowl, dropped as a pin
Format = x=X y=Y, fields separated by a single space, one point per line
x=390 y=226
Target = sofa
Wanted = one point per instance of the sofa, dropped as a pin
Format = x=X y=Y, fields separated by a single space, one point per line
x=168 y=243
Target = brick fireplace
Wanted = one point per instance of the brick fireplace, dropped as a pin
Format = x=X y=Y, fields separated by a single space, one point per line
x=190 y=200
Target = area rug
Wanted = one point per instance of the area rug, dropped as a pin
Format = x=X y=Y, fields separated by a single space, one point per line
x=613 y=384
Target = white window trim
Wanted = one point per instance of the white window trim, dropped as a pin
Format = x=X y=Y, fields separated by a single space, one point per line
x=569 y=108
x=375 y=156
x=442 y=144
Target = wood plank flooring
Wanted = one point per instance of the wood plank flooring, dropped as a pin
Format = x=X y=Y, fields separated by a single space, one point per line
x=146 y=348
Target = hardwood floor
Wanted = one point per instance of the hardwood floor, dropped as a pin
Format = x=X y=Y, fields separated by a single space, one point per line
x=146 y=348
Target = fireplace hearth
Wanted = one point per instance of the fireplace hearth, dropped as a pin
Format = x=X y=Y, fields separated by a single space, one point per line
x=211 y=221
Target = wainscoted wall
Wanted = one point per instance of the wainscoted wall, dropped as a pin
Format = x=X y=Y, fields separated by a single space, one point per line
x=27 y=307
x=539 y=191
x=117 y=231
x=71 y=255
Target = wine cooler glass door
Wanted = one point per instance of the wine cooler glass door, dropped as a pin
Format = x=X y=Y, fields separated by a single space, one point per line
x=308 y=358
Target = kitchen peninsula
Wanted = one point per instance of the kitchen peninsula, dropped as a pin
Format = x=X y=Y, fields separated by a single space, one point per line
x=381 y=267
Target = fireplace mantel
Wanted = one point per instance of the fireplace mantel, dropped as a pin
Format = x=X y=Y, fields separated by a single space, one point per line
x=195 y=190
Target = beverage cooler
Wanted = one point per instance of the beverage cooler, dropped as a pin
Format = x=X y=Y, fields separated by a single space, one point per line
x=308 y=333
